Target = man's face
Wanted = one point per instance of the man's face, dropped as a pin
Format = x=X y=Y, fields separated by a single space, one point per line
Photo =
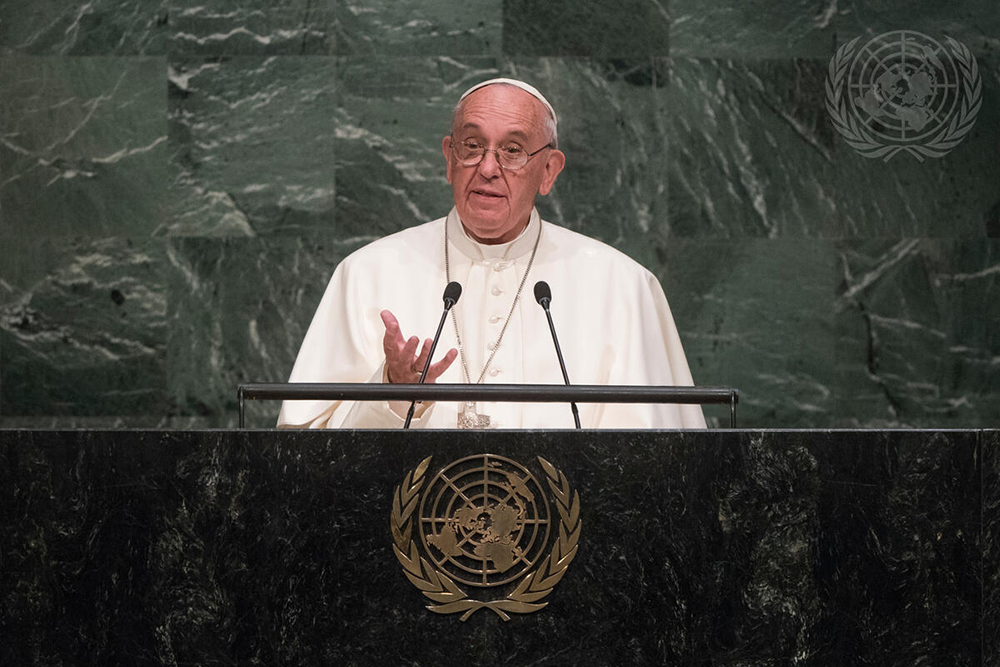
x=493 y=203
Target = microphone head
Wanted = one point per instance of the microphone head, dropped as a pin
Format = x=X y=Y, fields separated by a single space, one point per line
x=451 y=294
x=542 y=291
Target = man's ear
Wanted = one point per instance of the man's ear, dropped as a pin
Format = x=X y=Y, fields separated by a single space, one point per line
x=446 y=149
x=553 y=166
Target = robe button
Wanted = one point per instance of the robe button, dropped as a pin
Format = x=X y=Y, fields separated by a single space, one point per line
x=497 y=290
x=494 y=372
x=495 y=319
x=500 y=266
x=491 y=345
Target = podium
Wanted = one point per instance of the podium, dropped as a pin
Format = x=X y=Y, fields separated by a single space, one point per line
x=729 y=547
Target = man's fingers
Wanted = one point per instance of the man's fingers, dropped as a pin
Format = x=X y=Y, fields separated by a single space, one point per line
x=421 y=359
x=408 y=350
x=436 y=370
x=393 y=339
x=399 y=360
x=401 y=364
x=389 y=320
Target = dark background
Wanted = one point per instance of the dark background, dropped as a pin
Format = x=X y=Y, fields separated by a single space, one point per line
x=178 y=182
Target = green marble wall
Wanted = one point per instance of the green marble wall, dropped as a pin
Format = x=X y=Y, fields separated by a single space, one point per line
x=178 y=182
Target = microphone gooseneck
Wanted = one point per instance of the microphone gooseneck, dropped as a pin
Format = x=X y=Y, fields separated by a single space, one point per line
x=451 y=294
x=543 y=295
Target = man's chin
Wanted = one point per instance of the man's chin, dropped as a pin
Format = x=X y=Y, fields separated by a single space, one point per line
x=485 y=221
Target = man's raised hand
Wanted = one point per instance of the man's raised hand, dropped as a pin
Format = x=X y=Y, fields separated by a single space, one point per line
x=403 y=364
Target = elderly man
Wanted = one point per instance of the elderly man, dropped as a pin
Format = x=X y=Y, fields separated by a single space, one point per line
x=614 y=322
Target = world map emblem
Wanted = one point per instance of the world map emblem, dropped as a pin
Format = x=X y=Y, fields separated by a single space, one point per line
x=903 y=92
x=485 y=532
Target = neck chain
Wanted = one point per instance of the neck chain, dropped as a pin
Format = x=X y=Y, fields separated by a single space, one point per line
x=503 y=330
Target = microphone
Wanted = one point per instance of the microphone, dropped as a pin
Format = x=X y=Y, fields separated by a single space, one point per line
x=543 y=295
x=451 y=293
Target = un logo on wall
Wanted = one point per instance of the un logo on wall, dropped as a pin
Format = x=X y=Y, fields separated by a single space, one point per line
x=485 y=523
x=903 y=92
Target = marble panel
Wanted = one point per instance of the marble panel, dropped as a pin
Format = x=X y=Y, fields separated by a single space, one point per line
x=391 y=118
x=612 y=130
x=83 y=146
x=756 y=315
x=595 y=28
x=83 y=329
x=419 y=27
x=899 y=548
x=251 y=145
x=390 y=171
x=805 y=29
x=94 y=28
x=147 y=420
x=917 y=341
x=238 y=311
x=328 y=27
x=991 y=544
x=754 y=153
x=283 y=28
x=727 y=549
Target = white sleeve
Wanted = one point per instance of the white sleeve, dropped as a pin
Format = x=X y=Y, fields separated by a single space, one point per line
x=385 y=414
x=649 y=352
x=344 y=344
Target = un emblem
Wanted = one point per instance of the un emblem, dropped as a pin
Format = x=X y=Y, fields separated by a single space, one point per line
x=903 y=92
x=485 y=524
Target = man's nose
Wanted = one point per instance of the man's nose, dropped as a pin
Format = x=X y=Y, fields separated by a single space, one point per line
x=489 y=166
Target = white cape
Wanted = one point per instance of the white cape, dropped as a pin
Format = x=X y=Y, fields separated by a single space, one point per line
x=613 y=322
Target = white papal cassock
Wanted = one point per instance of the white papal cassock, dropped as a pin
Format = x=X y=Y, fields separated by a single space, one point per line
x=612 y=318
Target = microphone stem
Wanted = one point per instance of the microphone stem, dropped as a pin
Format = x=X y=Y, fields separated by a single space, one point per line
x=427 y=364
x=562 y=363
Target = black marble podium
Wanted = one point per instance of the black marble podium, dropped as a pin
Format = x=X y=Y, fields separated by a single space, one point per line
x=736 y=548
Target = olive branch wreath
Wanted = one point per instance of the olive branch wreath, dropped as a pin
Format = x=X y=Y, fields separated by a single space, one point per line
x=863 y=141
x=449 y=596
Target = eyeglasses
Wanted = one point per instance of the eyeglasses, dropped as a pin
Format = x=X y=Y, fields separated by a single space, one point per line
x=509 y=156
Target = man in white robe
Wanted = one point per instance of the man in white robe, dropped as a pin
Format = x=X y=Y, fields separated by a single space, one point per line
x=614 y=323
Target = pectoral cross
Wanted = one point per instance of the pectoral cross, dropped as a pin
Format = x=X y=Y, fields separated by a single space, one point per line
x=468 y=417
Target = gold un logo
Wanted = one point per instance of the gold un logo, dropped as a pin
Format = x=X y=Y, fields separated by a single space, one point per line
x=483 y=534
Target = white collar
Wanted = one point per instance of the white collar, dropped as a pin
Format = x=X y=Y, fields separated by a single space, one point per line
x=475 y=250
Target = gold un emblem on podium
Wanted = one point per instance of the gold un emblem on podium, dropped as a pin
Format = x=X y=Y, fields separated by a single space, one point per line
x=483 y=533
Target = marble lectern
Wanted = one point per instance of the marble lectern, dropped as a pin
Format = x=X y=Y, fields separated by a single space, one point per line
x=735 y=548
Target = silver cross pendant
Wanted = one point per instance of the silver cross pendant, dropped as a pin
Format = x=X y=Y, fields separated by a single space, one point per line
x=469 y=418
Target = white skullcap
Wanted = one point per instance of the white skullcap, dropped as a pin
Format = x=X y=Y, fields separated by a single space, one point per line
x=531 y=90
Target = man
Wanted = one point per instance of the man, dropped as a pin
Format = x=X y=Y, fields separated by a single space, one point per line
x=614 y=322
